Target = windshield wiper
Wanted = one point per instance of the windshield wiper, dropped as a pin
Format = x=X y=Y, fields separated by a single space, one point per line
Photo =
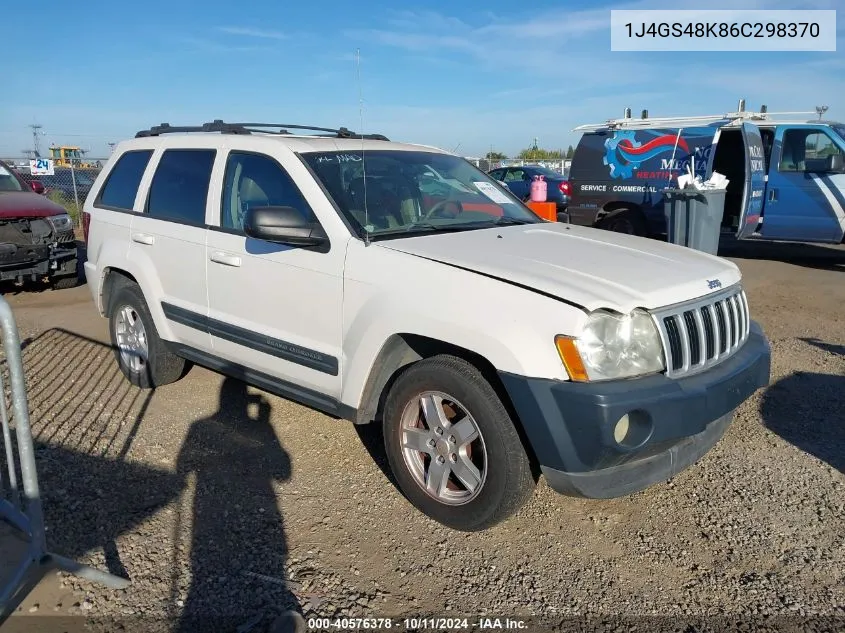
x=424 y=227
x=505 y=220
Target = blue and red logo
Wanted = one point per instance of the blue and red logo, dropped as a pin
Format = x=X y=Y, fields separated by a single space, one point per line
x=624 y=154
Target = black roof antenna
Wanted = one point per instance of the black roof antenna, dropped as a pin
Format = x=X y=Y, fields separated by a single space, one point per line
x=363 y=159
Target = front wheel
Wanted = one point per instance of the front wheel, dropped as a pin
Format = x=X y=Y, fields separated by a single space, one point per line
x=452 y=446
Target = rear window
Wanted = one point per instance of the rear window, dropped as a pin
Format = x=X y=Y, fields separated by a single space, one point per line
x=122 y=183
x=179 y=190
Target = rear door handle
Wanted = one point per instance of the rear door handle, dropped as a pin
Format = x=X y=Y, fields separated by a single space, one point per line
x=773 y=195
x=225 y=259
x=143 y=238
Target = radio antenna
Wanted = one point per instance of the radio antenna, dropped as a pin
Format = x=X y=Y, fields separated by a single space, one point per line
x=363 y=161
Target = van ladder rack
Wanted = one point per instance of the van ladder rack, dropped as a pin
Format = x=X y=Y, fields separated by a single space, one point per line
x=248 y=128
x=729 y=117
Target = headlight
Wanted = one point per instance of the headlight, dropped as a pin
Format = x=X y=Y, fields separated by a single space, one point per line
x=612 y=346
x=61 y=222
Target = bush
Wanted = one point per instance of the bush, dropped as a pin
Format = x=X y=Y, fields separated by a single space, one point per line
x=59 y=198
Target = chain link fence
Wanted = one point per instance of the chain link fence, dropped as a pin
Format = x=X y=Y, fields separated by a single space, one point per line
x=64 y=181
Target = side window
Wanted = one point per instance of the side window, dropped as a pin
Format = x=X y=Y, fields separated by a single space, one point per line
x=256 y=180
x=807 y=150
x=768 y=137
x=514 y=175
x=179 y=190
x=122 y=183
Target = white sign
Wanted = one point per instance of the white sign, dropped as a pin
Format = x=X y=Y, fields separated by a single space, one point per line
x=489 y=190
x=41 y=167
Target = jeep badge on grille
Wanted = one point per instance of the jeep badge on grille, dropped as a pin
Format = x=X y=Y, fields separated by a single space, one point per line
x=714 y=283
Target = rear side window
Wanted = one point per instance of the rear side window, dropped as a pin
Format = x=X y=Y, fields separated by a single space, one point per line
x=122 y=183
x=179 y=190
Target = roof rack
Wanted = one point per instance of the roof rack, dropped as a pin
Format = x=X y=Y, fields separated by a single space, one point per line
x=248 y=128
x=729 y=117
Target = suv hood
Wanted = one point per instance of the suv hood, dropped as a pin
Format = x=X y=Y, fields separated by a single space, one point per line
x=26 y=204
x=592 y=268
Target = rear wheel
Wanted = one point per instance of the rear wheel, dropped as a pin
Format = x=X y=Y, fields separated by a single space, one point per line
x=141 y=354
x=453 y=447
x=628 y=221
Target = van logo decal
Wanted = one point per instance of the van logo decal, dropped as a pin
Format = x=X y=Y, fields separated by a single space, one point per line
x=624 y=154
x=713 y=284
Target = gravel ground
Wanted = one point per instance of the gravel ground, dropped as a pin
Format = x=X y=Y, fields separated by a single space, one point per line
x=225 y=505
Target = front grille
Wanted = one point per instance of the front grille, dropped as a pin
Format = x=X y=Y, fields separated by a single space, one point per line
x=699 y=334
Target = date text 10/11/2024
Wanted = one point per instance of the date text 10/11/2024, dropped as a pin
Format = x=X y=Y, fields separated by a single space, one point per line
x=416 y=624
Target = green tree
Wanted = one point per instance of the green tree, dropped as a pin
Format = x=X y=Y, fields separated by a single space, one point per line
x=496 y=156
x=538 y=153
x=570 y=152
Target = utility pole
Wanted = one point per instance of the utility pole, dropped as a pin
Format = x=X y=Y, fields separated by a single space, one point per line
x=35 y=127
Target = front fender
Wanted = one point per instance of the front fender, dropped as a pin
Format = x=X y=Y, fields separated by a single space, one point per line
x=511 y=327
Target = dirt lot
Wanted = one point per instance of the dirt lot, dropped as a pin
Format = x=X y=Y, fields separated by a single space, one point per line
x=226 y=503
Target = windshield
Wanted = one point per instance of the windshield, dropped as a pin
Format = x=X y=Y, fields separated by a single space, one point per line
x=8 y=181
x=398 y=193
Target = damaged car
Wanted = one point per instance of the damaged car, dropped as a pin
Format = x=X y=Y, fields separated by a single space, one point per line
x=37 y=242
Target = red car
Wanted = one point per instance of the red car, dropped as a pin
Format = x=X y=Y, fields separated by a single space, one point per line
x=36 y=235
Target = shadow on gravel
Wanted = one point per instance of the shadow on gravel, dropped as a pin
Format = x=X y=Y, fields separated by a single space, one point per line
x=372 y=437
x=833 y=348
x=805 y=409
x=85 y=417
x=238 y=547
x=818 y=256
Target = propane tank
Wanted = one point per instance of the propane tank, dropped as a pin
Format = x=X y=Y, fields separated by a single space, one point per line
x=539 y=189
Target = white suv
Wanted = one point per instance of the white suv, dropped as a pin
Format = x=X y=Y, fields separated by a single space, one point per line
x=379 y=281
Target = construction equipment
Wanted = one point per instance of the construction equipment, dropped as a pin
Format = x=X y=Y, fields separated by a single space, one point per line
x=69 y=156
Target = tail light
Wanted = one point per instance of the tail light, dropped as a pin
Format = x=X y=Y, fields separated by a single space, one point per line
x=565 y=189
x=86 y=222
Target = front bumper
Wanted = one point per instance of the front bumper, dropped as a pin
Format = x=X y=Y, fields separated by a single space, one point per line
x=37 y=261
x=570 y=425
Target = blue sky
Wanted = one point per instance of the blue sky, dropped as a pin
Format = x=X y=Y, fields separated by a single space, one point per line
x=460 y=75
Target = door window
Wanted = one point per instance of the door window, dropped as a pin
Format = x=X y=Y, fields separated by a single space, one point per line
x=256 y=180
x=122 y=183
x=179 y=190
x=515 y=175
x=807 y=150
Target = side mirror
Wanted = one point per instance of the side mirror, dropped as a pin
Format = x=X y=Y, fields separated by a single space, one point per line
x=283 y=225
x=835 y=164
x=36 y=186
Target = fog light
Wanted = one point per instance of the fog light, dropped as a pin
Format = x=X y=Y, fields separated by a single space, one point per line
x=620 y=431
x=633 y=429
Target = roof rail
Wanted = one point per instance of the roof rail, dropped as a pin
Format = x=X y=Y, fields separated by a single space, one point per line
x=248 y=128
x=728 y=117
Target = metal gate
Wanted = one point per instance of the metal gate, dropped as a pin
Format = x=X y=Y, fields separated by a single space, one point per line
x=20 y=500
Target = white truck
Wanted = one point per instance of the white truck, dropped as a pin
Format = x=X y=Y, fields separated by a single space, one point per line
x=493 y=346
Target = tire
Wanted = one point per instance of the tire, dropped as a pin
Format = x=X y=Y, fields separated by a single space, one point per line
x=64 y=283
x=628 y=221
x=503 y=476
x=161 y=366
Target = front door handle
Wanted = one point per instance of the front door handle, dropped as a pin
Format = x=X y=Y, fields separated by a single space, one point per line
x=224 y=258
x=143 y=238
x=773 y=195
